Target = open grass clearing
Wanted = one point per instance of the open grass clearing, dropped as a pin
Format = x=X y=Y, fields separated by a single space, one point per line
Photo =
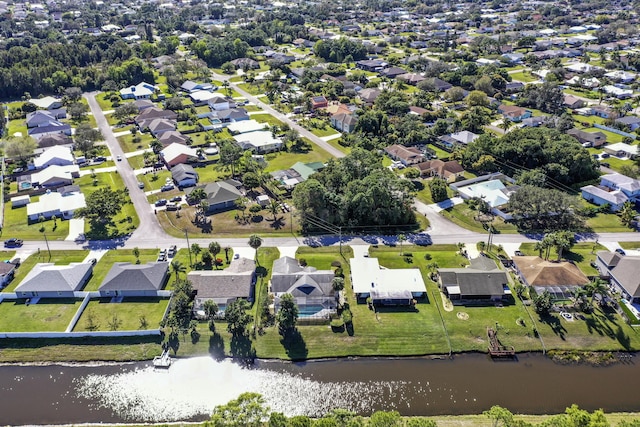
x=267 y=118
x=131 y=314
x=52 y=314
x=285 y=159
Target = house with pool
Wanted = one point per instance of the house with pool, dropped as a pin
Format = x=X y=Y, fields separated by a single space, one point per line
x=385 y=286
x=490 y=188
x=311 y=288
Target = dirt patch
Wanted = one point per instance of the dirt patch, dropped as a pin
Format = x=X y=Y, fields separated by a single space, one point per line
x=462 y=315
x=446 y=303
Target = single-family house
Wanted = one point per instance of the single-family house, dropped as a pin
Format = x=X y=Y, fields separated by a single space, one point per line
x=57 y=155
x=7 y=270
x=621 y=76
x=134 y=280
x=174 y=154
x=221 y=195
x=514 y=86
x=560 y=278
x=159 y=126
x=55 y=176
x=385 y=286
x=344 y=122
x=441 y=85
x=481 y=281
x=246 y=64
x=47 y=103
x=191 y=86
x=392 y=72
x=258 y=141
x=319 y=102
x=603 y=111
x=406 y=155
x=219 y=102
x=173 y=137
x=149 y=114
x=41 y=118
x=62 y=205
x=206 y=97
x=573 y=102
x=232 y=115
x=614 y=189
x=369 y=95
x=184 y=175
x=514 y=113
x=632 y=121
x=298 y=173
x=464 y=137
x=588 y=139
x=621 y=149
x=618 y=92
x=47 y=280
x=60 y=139
x=237 y=281
x=143 y=104
x=450 y=170
x=311 y=288
x=371 y=64
x=411 y=78
x=53 y=128
x=623 y=273
x=142 y=90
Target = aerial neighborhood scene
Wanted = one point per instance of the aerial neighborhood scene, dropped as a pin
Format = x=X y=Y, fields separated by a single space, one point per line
x=391 y=182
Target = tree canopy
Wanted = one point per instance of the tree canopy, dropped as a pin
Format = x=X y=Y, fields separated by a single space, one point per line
x=102 y=205
x=355 y=191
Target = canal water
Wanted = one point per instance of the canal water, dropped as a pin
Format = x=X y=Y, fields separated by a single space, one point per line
x=191 y=388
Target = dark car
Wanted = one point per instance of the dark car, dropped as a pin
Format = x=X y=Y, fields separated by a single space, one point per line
x=620 y=251
x=176 y=199
x=161 y=202
x=12 y=243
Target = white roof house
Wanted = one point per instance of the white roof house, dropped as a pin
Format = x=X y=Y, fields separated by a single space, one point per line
x=580 y=67
x=491 y=192
x=258 y=141
x=178 y=153
x=140 y=91
x=204 y=96
x=620 y=147
x=56 y=175
x=246 y=126
x=19 y=201
x=47 y=102
x=369 y=279
x=618 y=92
x=56 y=155
x=54 y=203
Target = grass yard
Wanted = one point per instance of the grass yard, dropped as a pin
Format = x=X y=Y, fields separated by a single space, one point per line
x=284 y=159
x=103 y=266
x=335 y=143
x=17 y=225
x=523 y=76
x=463 y=216
x=57 y=257
x=225 y=224
x=629 y=245
x=582 y=254
x=130 y=315
x=53 y=314
x=252 y=108
x=606 y=223
x=267 y=118
x=127 y=144
x=253 y=89
x=423 y=192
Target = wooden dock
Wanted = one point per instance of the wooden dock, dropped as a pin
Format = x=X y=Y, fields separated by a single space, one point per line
x=163 y=361
x=496 y=349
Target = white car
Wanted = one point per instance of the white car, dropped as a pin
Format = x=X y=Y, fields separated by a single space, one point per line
x=119 y=158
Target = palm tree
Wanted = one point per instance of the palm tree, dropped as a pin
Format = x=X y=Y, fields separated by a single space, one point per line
x=255 y=242
x=539 y=247
x=506 y=124
x=136 y=253
x=274 y=208
x=226 y=253
x=177 y=267
x=482 y=245
x=196 y=249
x=596 y=286
x=225 y=85
x=214 y=249
x=337 y=283
x=401 y=238
x=197 y=195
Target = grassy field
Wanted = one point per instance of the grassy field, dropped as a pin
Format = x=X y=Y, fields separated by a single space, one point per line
x=629 y=245
x=16 y=224
x=46 y=315
x=103 y=266
x=129 y=315
x=523 y=76
x=463 y=216
x=267 y=118
x=57 y=257
x=284 y=160
x=127 y=144
x=335 y=143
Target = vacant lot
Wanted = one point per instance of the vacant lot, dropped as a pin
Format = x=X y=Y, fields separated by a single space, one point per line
x=46 y=315
x=129 y=315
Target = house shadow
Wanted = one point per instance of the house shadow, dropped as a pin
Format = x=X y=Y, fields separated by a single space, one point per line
x=554 y=323
x=216 y=346
x=294 y=345
x=397 y=309
x=241 y=347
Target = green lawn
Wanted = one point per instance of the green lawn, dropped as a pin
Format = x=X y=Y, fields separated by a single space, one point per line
x=463 y=216
x=423 y=192
x=267 y=118
x=629 y=245
x=284 y=160
x=335 y=143
x=127 y=144
x=52 y=314
x=582 y=254
x=57 y=257
x=17 y=225
x=154 y=180
x=253 y=89
x=103 y=266
x=606 y=223
x=523 y=76
x=129 y=315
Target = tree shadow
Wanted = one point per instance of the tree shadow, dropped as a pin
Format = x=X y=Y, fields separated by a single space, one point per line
x=350 y=330
x=554 y=323
x=241 y=347
x=623 y=339
x=294 y=345
x=278 y=223
x=216 y=346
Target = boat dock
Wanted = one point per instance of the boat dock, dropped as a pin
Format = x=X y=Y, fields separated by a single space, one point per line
x=496 y=349
x=163 y=361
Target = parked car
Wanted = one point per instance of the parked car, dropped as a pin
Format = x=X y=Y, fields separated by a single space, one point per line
x=605 y=164
x=518 y=253
x=93 y=261
x=167 y=187
x=119 y=158
x=12 y=243
x=141 y=185
x=620 y=251
x=161 y=202
x=172 y=207
x=176 y=199
x=173 y=249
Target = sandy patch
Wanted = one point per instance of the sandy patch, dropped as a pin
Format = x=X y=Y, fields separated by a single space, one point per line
x=448 y=306
x=462 y=315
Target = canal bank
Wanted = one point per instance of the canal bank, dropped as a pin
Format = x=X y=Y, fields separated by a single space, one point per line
x=191 y=388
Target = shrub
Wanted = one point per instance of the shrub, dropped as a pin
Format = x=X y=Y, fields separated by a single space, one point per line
x=347 y=316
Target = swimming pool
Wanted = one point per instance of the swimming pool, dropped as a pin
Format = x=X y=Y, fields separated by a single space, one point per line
x=309 y=310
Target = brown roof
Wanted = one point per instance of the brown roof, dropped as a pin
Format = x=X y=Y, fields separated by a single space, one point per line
x=402 y=152
x=443 y=169
x=538 y=272
x=511 y=110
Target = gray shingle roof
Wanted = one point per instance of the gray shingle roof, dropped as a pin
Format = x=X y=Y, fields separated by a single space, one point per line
x=125 y=276
x=234 y=282
x=48 y=277
x=288 y=276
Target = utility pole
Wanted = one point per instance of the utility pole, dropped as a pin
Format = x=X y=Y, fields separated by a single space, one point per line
x=186 y=235
x=47 y=242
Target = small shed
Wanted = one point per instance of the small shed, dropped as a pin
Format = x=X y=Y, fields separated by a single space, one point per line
x=263 y=200
x=20 y=201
